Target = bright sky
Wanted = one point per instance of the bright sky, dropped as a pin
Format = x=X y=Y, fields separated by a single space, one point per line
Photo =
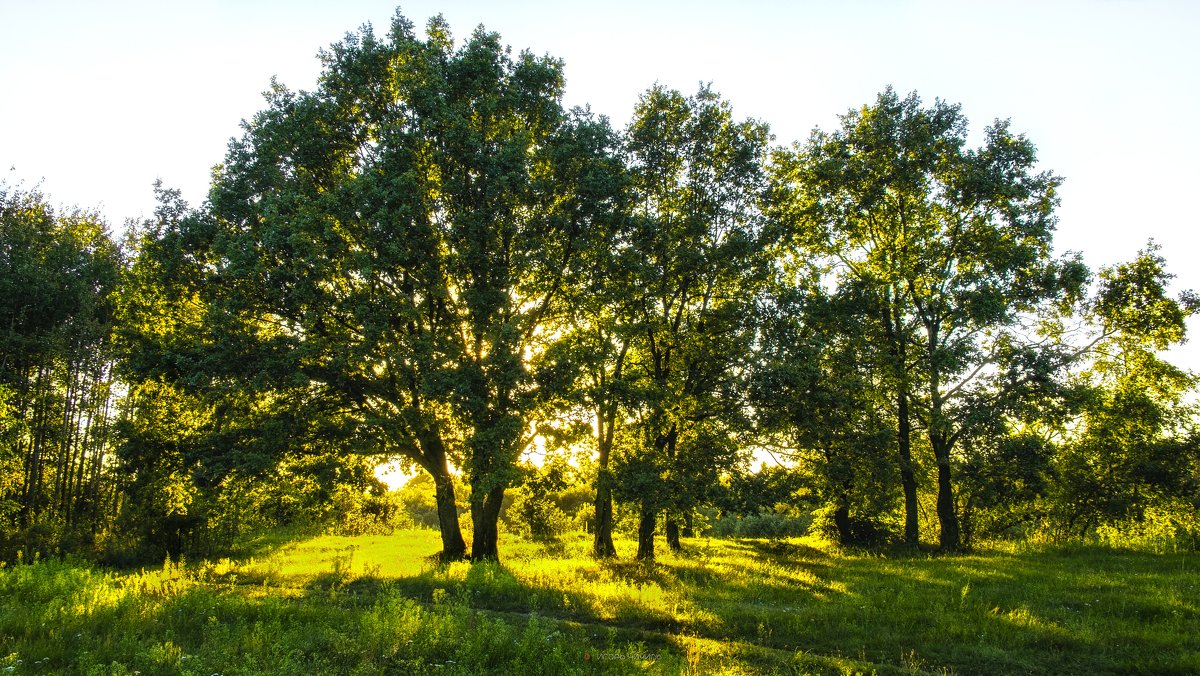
x=100 y=99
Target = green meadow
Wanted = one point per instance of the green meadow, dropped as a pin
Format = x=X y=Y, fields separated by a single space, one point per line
x=383 y=604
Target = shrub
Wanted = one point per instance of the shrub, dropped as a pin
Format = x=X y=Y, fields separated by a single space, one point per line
x=864 y=531
x=417 y=500
x=765 y=524
x=1171 y=528
x=536 y=516
x=360 y=513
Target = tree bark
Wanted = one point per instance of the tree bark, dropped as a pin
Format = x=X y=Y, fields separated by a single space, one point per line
x=453 y=545
x=645 y=550
x=948 y=537
x=436 y=463
x=485 y=515
x=606 y=418
x=672 y=528
x=908 y=479
x=841 y=521
x=602 y=544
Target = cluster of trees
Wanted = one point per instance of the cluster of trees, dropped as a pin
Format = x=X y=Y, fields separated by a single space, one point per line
x=428 y=258
x=58 y=273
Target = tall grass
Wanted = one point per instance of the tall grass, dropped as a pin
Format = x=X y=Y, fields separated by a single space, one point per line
x=382 y=604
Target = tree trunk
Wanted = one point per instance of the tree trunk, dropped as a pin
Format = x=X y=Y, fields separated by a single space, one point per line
x=34 y=466
x=841 y=521
x=645 y=550
x=485 y=515
x=606 y=417
x=891 y=320
x=939 y=439
x=947 y=517
x=841 y=510
x=453 y=545
x=688 y=532
x=908 y=479
x=672 y=528
x=435 y=462
x=602 y=544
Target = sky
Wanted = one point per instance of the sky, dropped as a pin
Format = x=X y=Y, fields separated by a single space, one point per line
x=98 y=100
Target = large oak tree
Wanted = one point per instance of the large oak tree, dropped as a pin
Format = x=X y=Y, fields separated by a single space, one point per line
x=400 y=238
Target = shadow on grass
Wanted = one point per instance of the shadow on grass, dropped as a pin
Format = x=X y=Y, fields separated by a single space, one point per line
x=639 y=573
x=785 y=550
x=258 y=545
x=1096 y=611
x=1107 y=612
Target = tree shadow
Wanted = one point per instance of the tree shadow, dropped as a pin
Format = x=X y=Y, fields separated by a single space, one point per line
x=1029 y=613
x=785 y=551
x=997 y=612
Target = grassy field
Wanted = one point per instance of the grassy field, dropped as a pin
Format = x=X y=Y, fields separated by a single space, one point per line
x=381 y=604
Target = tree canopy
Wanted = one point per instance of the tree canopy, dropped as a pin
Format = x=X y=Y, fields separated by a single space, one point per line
x=428 y=258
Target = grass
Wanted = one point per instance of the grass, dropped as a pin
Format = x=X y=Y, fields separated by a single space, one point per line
x=382 y=604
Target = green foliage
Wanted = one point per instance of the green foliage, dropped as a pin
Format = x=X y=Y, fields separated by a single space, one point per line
x=854 y=527
x=1002 y=482
x=394 y=244
x=381 y=604
x=535 y=516
x=954 y=243
x=417 y=500
x=764 y=524
x=356 y=512
x=10 y=465
x=157 y=425
x=1133 y=303
x=427 y=257
x=1161 y=527
x=697 y=248
x=191 y=489
x=59 y=274
x=551 y=501
x=817 y=397
x=771 y=488
x=1134 y=446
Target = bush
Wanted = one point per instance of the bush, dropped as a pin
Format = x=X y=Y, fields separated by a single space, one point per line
x=585 y=518
x=864 y=531
x=575 y=499
x=1171 y=528
x=762 y=525
x=417 y=500
x=359 y=513
x=535 y=516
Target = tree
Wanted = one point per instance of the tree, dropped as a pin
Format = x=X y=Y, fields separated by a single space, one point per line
x=1134 y=441
x=205 y=421
x=698 y=249
x=399 y=240
x=58 y=276
x=955 y=242
x=816 y=399
x=599 y=344
x=597 y=339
